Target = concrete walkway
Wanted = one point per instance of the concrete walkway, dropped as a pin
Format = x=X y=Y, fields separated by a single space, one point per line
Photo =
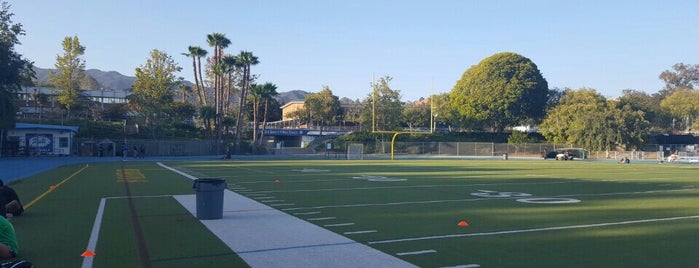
x=266 y=237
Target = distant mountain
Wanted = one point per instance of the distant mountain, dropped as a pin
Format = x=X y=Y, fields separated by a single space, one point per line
x=115 y=81
x=294 y=95
x=108 y=80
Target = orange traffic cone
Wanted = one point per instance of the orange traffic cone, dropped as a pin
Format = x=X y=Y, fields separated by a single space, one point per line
x=462 y=224
x=88 y=253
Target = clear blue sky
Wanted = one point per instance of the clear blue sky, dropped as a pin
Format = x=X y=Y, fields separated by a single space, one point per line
x=303 y=45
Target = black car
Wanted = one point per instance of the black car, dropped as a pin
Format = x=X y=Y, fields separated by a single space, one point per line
x=567 y=154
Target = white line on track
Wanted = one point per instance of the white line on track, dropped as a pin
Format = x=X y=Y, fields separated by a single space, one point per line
x=339 y=224
x=417 y=252
x=533 y=230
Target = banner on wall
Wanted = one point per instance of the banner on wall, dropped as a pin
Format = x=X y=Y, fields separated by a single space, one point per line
x=40 y=143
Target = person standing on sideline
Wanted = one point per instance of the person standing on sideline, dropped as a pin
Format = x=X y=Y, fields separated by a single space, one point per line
x=124 y=150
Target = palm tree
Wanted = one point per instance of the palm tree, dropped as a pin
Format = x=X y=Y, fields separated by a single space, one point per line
x=256 y=91
x=230 y=62
x=270 y=90
x=218 y=41
x=197 y=53
x=245 y=59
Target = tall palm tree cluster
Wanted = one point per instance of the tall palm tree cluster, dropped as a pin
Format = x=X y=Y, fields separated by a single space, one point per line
x=228 y=77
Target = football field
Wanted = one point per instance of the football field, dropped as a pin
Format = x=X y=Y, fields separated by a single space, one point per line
x=431 y=213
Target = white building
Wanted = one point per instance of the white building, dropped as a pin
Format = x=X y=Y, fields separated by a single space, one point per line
x=38 y=139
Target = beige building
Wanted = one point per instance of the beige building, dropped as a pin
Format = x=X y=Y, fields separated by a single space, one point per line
x=291 y=107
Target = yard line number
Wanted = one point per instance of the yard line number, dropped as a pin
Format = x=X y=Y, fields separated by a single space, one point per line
x=527 y=199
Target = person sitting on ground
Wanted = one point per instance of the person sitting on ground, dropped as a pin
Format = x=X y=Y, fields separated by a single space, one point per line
x=9 y=201
x=8 y=240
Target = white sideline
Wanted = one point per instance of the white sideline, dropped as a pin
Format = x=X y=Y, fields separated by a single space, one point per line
x=266 y=237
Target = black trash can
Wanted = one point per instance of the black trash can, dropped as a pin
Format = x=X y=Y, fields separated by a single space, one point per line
x=209 y=198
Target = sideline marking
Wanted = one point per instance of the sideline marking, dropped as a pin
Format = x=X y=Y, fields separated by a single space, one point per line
x=533 y=230
x=94 y=235
x=464 y=266
x=417 y=252
x=54 y=188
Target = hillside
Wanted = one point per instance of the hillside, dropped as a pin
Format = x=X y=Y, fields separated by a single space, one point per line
x=115 y=81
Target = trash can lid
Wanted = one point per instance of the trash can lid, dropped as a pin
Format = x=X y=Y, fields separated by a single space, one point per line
x=208 y=181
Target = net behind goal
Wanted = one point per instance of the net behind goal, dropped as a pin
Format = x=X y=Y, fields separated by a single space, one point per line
x=355 y=151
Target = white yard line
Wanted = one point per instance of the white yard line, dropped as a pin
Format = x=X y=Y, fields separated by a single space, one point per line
x=414 y=186
x=417 y=252
x=360 y=232
x=339 y=224
x=533 y=230
x=321 y=219
x=479 y=199
x=94 y=235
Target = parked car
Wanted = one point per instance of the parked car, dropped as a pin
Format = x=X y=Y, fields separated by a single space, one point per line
x=567 y=154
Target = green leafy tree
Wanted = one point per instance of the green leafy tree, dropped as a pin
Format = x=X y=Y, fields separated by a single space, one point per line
x=683 y=106
x=445 y=114
x=660 y=119
x=416 y=114
x=502 y=90
x=14 y=69
x=323 y=107
x=383 y=108
x=70 y=70
x=681 y=76
x=584 y=118
x=207 y=114
x=154 y=89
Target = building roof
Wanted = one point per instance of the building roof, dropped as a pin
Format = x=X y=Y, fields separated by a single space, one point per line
x=45 y=127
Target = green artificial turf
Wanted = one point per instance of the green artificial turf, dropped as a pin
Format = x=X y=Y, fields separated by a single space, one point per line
x=639 y=215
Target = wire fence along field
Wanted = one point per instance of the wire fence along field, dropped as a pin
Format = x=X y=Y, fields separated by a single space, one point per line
x=529 y=150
